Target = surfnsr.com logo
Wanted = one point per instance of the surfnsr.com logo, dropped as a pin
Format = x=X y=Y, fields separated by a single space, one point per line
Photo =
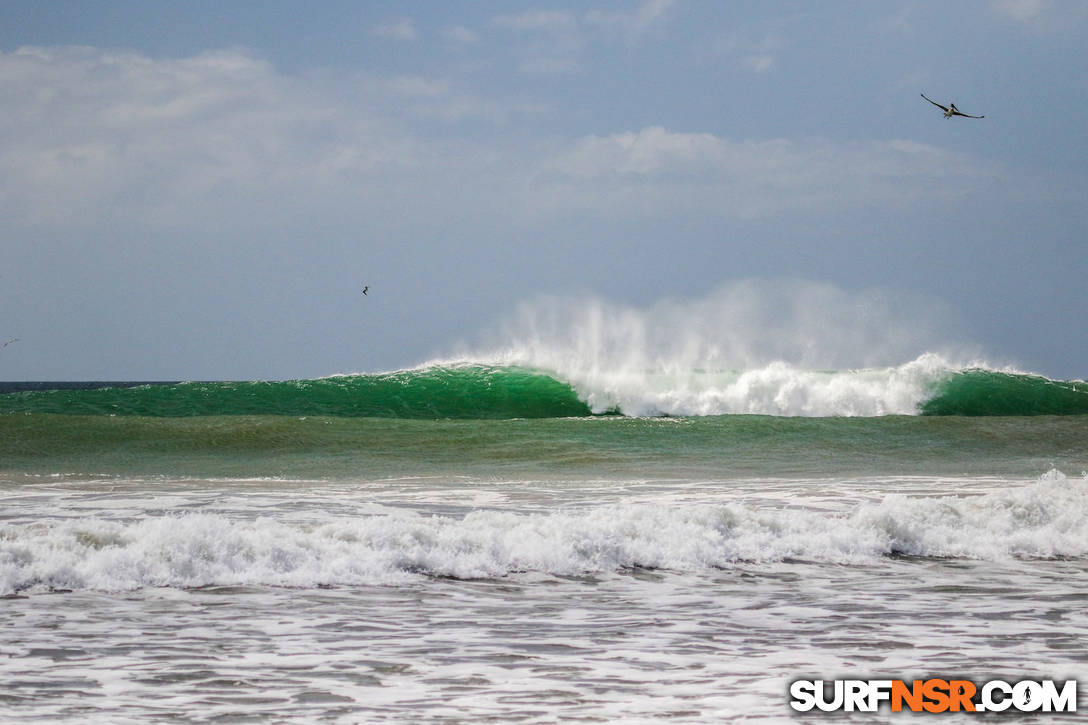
x=934 y=695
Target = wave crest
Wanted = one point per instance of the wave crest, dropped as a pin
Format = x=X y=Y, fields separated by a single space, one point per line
x=472 y=390
x=778 y=389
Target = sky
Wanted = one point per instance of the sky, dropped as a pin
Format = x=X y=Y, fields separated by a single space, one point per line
x=201 y=190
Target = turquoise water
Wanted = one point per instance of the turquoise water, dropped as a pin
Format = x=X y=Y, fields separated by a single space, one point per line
x=323 y=447
x=468 y=543
x=507 y=422
x=480 y=392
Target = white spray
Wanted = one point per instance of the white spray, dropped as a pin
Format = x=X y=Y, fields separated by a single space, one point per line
x=764 y=347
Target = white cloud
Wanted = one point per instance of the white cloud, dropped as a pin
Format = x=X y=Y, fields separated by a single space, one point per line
x=535 y=20
x=1042 y=15
x=758 y=63
x=414 y=86
x=758 y=47
x=757 y=56
x=637 y=21
x=403 y=29
x=901 y=21
x=552 y=41
x=460 y=36
x=653 y=169
x=650 y=11
x=98 y=135
x=95 y=137
x=548 y=65
x=1020 y=10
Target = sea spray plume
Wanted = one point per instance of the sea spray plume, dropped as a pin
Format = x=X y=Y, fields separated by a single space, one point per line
x=738 y=326
x=759 y=346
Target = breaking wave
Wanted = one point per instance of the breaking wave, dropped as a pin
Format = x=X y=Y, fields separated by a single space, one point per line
x=470 y=390
x=1046 y=519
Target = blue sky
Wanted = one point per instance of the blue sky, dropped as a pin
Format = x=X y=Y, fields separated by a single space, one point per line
x=200 y=190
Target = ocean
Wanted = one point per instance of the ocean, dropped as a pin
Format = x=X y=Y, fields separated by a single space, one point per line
x=470 y=541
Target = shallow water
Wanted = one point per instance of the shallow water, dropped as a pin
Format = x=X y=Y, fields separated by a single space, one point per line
x=137 y=600
x=637 y=645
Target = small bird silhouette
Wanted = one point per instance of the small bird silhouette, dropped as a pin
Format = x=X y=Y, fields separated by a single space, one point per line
x=950 y=110
x=14 y=339
x=365 y=289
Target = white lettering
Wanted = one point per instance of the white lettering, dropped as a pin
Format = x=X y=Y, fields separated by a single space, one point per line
x=855 y=696
x=879 y=691
x=988 y=701
x=1027 y=696
x=803 y=693
x=1065 y=701
x=993 y=696
x=821 y=696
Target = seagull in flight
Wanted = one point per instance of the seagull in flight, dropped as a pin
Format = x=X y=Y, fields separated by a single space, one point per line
x=14 y=339
x=365 y=289
x=950 y=110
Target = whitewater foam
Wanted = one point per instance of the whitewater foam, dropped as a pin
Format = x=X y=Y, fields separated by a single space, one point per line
x=771 y=347
x=775 y=389
x=1048 y=518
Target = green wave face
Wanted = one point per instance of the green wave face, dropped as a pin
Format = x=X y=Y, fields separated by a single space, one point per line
x=478 y=391
x=463 y=391
x=987 y=392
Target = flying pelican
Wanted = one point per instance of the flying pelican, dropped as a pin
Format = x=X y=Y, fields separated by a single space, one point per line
x=950 y=110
